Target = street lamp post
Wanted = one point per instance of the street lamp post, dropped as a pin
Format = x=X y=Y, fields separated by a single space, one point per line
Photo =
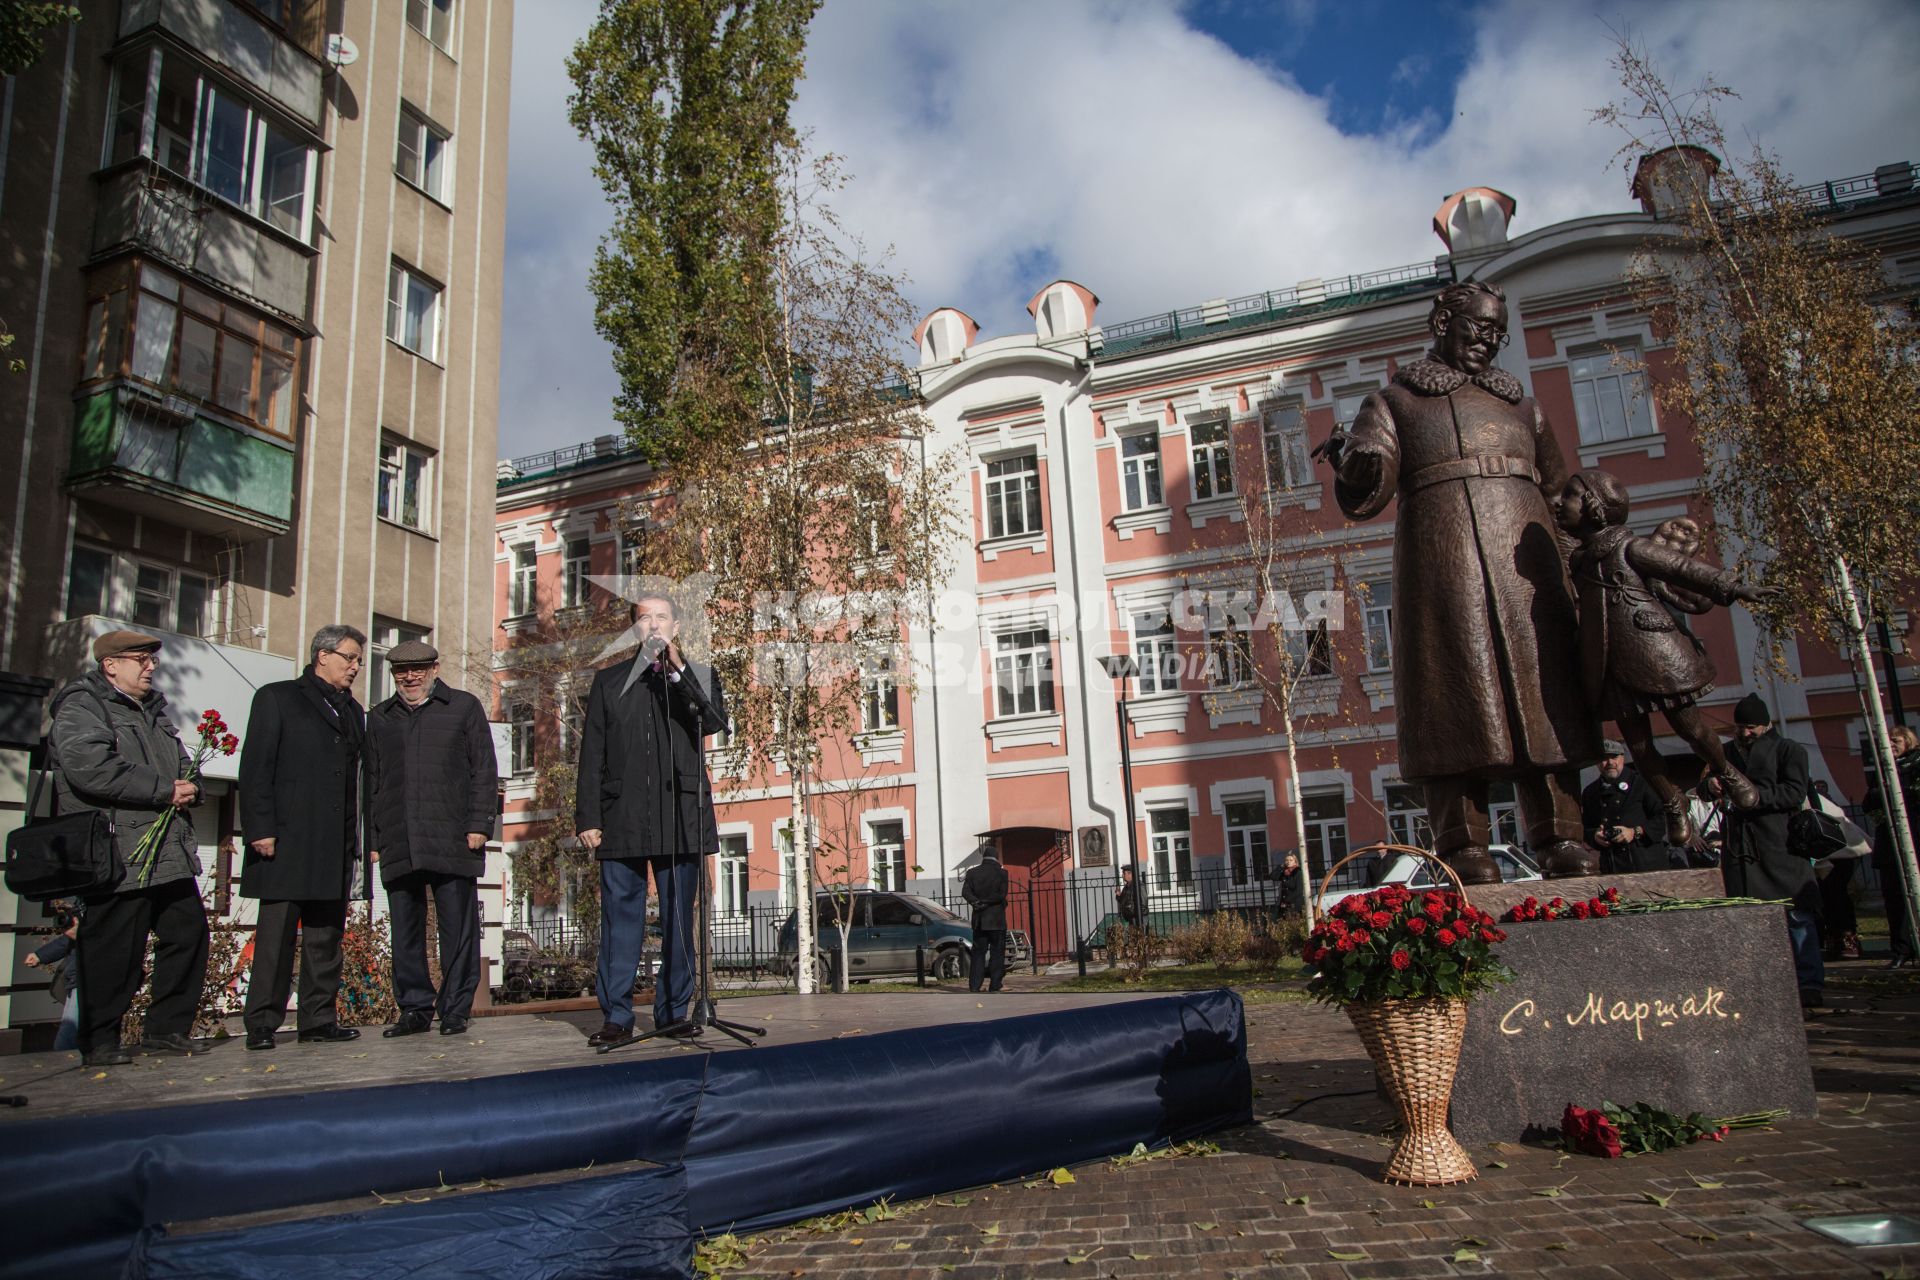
x=1123 y=668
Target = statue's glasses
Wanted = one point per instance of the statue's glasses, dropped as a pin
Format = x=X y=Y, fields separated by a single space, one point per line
x=1483 y=330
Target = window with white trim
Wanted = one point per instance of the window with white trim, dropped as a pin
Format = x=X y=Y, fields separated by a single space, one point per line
x=520 y=733
x=1212 y=443
x=405 y=493
x=382 y=637
x=520 y=588
x=1283 y=432
x=1503 y=813
x=887 y=856
x=212 y=136
x=1246 y=822
x=1013 y=496
x=1140 y=471
x=170 y=599
x=632 y=552
x=1309 y=650
x=575 y=568
x=1156 y=652
x=1229 y=656
x=789 y=861
x=422 y=154
x=90 y=574
x=1170 y=845
x=1346 y=406
x=1377 y=622
x=1407 y=817
x=1023 y=672
x=414 y=311
x=432 y=19
x=730 y=878
x=879 y=695
x=1325 y=816
x=1609 y=397
x=570 y=716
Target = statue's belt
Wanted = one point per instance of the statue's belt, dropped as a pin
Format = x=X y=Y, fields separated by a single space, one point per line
x=1494 y=466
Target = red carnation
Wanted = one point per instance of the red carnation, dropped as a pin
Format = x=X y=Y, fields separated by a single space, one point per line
x=1416 y=925
x=1590 y=1132
x=1612 y=894
x=1401 y=959
x=1602 y=909
x=229 y=744
x=1380 y=919
x=1581 y=911
x=1446 y=937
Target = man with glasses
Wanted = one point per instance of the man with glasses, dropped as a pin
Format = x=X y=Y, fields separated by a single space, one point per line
x=1486 y=650
x=435 y=782
x=115 y=749
x=301 y=802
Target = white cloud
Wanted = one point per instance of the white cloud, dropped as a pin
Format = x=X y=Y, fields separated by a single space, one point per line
x=995 y=145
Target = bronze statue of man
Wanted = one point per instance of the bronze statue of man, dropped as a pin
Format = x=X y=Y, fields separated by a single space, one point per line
x=1486 y=648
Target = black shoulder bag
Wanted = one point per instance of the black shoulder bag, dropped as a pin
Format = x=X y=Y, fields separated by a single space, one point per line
x=61 y=857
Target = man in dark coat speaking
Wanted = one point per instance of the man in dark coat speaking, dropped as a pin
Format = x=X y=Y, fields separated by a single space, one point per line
x=1486 y=651
x=301 y=798
x=985 y=890
x=644 y=802
x=435 y=780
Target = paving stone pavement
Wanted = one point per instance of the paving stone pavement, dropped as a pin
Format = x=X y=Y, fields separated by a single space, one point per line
x=1296 y=1194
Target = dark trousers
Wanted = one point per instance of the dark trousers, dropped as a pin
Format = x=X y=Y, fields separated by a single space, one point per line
x=1893 y=891
x=989 y=959
x=317 y=925
x=456 y=907
x=1837 y=916
x=623 y=935
x=112 y=957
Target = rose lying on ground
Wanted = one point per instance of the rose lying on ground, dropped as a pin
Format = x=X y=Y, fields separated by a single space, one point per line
x=1642 y=1129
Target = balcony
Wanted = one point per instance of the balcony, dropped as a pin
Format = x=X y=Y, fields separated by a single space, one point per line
x=168 y=459
x=233 y=37
x=145 y=207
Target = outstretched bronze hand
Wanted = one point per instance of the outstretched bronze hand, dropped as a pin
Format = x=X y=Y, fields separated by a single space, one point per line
x=1333 y=450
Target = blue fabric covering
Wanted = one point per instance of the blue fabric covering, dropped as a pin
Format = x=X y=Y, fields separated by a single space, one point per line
x=766 y=1136
x=627 y=1225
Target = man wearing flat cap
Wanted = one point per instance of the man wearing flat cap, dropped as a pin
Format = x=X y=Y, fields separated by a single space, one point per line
x=302 y=804
x=115 y=749
x=435 y=790
x=1757 y=862
x=1625 y=820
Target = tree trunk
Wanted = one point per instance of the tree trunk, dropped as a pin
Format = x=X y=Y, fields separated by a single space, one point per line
x=1890 y=790
x=1299 y=806
x=802 y=887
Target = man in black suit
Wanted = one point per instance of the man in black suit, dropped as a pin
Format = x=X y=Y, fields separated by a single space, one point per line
x=435 y=783
x=1624 y=819
x=644 y=802
x=301 y=797
x=985 y=890
x=1757 y=862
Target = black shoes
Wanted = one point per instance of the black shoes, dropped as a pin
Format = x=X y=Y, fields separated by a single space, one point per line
x=183 y=1046
x=108 y=1055
x=411 y=1023
x=609 y=1035
x=454 y=1026
x=332 y=1033
x=260 y=1038
x=1900 y=962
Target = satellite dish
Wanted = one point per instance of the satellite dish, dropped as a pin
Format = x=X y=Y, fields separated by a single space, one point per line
x=341 y=51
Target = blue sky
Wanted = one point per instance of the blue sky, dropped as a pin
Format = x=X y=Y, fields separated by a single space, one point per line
x=1162 y=153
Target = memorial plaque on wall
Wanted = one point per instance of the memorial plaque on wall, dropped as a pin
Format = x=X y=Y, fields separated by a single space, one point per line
x=1093 y=847
x=1687 y=1010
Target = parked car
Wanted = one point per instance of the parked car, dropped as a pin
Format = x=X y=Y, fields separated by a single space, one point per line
x=1417 y=873
x=886 y=933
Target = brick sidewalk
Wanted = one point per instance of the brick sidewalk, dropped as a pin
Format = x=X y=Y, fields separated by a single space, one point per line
x=1283 y=1196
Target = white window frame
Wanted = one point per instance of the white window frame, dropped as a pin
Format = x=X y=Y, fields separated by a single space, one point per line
x=879 y=695
x=525 y=752
x=1211 y=443
x=1156 y=652
x=730 y=876
x=404 y=287
x=1600 y=381
x=887 y=856
x=426 y=15
x=1229 y=661
x=576 y=568
x=1504 y=824
x=1346 y=405
x=1310 y=650
x=169 y=597
x=404 y=465
x=1141 y=485
x=1169 y=851
x=1023 y=672
x=109 y=579
x=1010 y=489
x=1283 y=437
x=1323 y=830
x=384 y=635
x=1377 y=624
x=523 y=583
x=1249 y=848
x=423 y=155
x=1407 y=819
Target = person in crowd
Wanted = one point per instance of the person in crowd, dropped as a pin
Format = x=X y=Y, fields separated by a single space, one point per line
x=115 y=749
x=1625 y=820
x=55 y=955
x=985 y=890
x=645 y=803
x=1126 y=899
x=1839 y=922
x=302 y=809
x=1293 y=889
x=1757 y=862
x=1886 y=853
x=434 y=778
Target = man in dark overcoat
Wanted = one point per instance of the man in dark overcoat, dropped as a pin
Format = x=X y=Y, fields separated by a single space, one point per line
x=301 y=810
x=1485 y=638
x=1757 y=862
x=985 y=890
x=644 y=803
x=435 y=785
x=1625 y=820
x=114 y=748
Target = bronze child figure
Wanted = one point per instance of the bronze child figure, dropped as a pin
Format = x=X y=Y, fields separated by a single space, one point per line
x=1636 y=658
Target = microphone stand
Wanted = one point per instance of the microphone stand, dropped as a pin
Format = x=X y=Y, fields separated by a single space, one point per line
x=701 y=1011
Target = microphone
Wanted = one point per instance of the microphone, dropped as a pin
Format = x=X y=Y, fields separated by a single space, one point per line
x=652 y=647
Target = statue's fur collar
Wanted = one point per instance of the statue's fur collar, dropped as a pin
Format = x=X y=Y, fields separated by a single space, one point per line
x=1431 y=377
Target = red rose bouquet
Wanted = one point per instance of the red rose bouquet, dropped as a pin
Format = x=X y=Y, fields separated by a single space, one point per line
x=215 y=739
x=1613 y=1131
x=1395 y=944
